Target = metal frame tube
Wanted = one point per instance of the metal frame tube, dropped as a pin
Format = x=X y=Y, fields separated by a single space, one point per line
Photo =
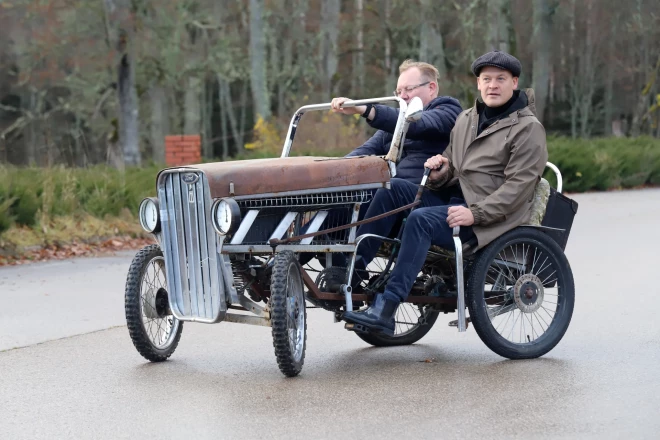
x=291 y=133
x=346 y=288
x=554 y=168
x=459 y=279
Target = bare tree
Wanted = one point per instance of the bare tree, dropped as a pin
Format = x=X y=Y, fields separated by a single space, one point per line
x=499 y=35
x=357 y=79
x=260 y=93
x=328 y=48
x=431 y=45
x=543 y=17
x=120 y=28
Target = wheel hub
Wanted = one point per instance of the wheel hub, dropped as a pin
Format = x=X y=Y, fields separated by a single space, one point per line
x=156 y=303
x=528 y=293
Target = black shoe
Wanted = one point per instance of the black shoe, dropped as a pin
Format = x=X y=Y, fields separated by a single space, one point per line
x=378 y=318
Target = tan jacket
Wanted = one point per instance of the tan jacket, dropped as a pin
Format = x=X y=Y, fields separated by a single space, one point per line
x=497 y=170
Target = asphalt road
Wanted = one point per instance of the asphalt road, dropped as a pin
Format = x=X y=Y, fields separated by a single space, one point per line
x=77 y=374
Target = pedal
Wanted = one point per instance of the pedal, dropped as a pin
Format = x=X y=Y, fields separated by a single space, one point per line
x=357 y=328
x=454 y=323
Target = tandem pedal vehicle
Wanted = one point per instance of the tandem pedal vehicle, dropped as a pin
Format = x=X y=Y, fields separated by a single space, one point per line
x=231 y=237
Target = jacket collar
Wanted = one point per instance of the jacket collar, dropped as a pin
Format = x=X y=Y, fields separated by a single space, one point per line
x=512 y=119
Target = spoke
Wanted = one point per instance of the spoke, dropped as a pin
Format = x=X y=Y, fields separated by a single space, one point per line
x=536 y=315
x=515 y=257
x=505 y=322
x=525 y=255
x=548 y=312
x=496 y=296
x=508 y=269
x=534 y=260
x=543 y=267
x=513 y=326
x=531 y=322
x=402 y=309
x=544 y=281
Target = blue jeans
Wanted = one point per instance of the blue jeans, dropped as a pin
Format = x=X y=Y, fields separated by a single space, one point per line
x=425 y=226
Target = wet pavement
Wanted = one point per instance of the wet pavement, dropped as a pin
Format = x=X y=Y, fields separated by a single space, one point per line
x=601 y=381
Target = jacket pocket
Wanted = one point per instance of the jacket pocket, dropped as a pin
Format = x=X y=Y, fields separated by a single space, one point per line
x=497 y=180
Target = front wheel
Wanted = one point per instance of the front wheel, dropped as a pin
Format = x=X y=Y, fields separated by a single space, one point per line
x=288 y=314
x=520 y=294
x=155 y=332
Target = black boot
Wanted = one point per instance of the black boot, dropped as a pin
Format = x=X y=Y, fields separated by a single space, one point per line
x=378 y=318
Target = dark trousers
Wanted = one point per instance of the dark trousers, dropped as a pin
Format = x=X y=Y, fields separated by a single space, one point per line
x=424 y=226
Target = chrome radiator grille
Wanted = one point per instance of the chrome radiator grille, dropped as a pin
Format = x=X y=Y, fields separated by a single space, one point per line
x=337 y=207
x=189 y=243
x=319 y=200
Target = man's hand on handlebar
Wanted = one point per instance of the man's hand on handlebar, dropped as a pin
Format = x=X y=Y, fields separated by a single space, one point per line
x=338 y=102
x=436 y=164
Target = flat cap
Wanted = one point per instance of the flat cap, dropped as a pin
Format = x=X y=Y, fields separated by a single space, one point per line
x=499 y=59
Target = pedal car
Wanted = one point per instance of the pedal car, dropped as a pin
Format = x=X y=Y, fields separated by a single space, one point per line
x=230 y=236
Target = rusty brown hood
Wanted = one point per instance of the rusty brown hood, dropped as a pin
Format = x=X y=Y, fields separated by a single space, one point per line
x=276 y=175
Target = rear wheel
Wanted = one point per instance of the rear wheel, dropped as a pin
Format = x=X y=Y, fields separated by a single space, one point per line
x=412 y=321
x=155 y=332
x=288 y=314
x=520 y=294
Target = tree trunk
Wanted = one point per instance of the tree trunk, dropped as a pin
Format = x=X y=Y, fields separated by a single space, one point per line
x=159 y=122
x=543 y=12
x=240 y=146
x=357 y=79
x=588 y=76
x=431 y=45
x=499 y=35
x=284 y=83
x=121 y=32
x=328 y=50
x=258 y=60
x=192 y=122
x=575 y=97
x=207 y=117
x=609 y=82
x=390 y=81
x=32 y=137
x=228 y=106
x=224 y=134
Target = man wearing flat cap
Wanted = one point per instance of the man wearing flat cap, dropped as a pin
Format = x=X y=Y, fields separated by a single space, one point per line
x=483 y=182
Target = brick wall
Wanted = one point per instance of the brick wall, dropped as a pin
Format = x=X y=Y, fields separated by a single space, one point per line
x=183 y=149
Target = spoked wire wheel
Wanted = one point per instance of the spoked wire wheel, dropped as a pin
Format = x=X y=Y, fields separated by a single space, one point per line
x=521 y=294
x=412 y=321
x=288 y=314
x=155 y=332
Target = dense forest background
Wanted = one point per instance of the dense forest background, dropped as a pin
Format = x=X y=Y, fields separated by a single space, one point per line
x=86 y=82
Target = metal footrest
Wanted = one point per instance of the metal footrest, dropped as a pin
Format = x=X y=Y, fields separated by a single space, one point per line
x=454 y=323
x=357 y=328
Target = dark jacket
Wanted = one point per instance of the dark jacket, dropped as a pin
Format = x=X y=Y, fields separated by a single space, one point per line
x=497 y=169
x=425 y=138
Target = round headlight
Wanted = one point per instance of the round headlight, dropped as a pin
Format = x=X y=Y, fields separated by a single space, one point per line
x=226 y=216
x=149 y=215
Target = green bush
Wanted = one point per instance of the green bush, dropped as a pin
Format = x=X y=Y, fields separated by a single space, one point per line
x=605 y=163
x=28 y=195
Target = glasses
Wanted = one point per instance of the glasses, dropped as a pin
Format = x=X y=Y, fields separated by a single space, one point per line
x=409 y=88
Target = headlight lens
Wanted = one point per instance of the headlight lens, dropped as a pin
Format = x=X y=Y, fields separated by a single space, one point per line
x=226 y=216
x=150 y=215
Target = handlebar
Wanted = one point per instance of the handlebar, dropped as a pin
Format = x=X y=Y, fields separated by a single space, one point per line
x=350 y=103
